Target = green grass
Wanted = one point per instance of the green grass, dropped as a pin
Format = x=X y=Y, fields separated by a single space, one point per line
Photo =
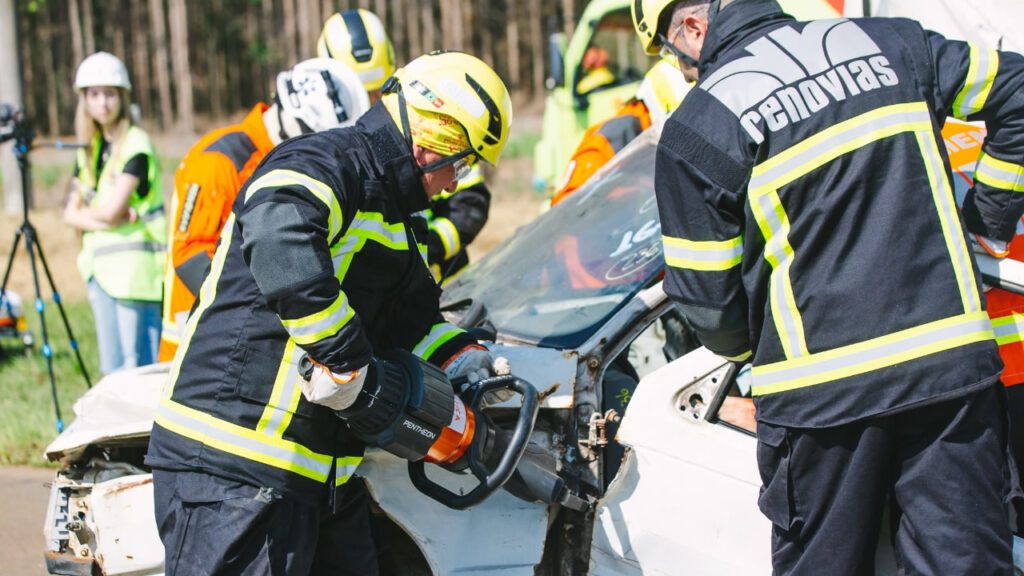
x=27 y=420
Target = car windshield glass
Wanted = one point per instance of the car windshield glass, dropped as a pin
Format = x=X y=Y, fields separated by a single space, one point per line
x=560 y=277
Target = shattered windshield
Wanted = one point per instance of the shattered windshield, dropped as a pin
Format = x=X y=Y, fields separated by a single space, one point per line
x=560 y=277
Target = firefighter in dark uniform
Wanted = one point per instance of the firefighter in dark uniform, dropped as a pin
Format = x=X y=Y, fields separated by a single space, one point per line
x=810 y=226
x=321 y=256
x=454 y=219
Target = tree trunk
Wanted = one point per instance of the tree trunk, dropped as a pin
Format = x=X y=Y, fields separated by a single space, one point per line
x=53 y=102
x=413 y=26
x=537 y=48
x=306 y=39
x=113 y=30
x=182 y=68
x=271 y=65
x=484 y=13
x=216 y=69
x=160 y=67
x=76 y=32
x=568 y=17
x=10 y=92
x=396 y=26
x=141 y=87
x=288 y=23
x=430 y=43
x=512 y=37
x=88 y=31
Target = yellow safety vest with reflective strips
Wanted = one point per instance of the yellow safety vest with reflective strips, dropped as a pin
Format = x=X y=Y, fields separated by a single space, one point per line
x=127 y=260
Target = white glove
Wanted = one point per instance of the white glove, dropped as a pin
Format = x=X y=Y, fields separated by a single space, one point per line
x=476 y=364
x=335 y=391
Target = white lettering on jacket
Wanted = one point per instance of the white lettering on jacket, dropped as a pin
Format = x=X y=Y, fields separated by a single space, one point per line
x=790 y=75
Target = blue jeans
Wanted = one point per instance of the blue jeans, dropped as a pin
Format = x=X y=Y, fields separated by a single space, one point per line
x=127 y=331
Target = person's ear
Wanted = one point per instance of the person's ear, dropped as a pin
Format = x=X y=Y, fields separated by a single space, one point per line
x=694 y=28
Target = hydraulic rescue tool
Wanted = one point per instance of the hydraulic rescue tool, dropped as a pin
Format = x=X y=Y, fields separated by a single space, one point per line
x=409 y=408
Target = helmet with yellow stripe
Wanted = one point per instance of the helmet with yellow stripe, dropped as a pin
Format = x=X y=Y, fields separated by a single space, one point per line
x=357 y=38
x=651 y=20
x=444 y=85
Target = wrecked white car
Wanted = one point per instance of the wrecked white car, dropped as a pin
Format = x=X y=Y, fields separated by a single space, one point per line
x=633 y=465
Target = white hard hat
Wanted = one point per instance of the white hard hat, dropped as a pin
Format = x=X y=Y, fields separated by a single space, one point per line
x=321 y=94
x=102 y=69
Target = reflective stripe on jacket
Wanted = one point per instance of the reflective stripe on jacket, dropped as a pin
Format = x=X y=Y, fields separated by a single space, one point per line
x=454 y=219
x=1006 y=309
x=808 y=213
x=205 y=186
x=126 y=260
x=319 y=256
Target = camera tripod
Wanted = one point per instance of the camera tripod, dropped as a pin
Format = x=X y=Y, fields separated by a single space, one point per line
x=23 y=135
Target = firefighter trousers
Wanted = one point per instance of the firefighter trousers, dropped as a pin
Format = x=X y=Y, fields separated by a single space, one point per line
x=215 y=526
x=942 y=469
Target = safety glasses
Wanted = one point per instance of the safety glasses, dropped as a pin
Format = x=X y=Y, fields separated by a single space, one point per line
x=462 y=161
x=670 y=52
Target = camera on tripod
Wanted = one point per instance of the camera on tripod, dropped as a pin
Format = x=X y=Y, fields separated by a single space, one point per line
x=14 y=124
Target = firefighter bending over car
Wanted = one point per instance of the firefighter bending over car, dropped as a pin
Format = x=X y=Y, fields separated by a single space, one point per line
x=320 y=256
x=316 y=95
x=810 y=228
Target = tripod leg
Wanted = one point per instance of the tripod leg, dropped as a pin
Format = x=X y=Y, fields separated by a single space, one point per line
x=60 y=307
x=40 y=308
x=10 y=262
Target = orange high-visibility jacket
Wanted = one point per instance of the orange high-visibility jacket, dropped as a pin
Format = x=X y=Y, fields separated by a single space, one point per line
x=205 y=186
x=1006 y=309
x=600 y=142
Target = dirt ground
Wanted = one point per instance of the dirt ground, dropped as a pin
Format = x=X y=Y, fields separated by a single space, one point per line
x=25 y=492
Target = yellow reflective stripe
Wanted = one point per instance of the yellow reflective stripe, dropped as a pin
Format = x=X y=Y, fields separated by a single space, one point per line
x=323 y=324
x=345 y=467
x=366 y=226
x=439 y=334
x=343 y=253
x=240 y=441
x=283 y=178
x=773 y=222
x=956 y=244
x=999 y=173
x=981 y=73
x=870 y=355
x=705 y=256
x=206 y=296
x=284 y=397
x=371 y=226
x=768 y=177
x=739 y=358
x=448 y=234
x=1009 y=329
x=837 y=140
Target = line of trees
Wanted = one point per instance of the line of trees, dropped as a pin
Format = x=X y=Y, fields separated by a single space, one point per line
x=197 y=61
